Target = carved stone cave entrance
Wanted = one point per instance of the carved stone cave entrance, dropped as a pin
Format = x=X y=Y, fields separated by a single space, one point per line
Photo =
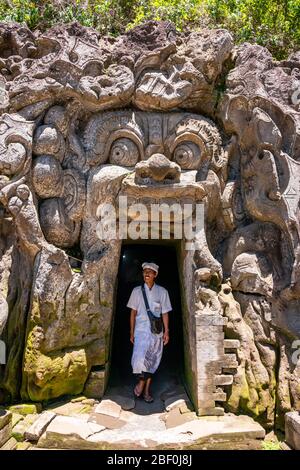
x=165 y=253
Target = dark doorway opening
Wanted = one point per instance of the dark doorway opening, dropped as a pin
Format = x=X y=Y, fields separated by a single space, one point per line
x=130 y=276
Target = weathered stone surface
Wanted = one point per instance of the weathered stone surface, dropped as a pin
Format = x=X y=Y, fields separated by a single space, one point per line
x=69 y=408
x=176 y=401
x=34 y=432
x=154 y=434
x=20 y=429
x=5 y=418
x=109 y=408
x=125 y=402
x=85 y=119
x=176 y=418
x=107 y=421
x=94 y=386
x=10 y=444
x=16 y=418
x=23 y=446
x=67 y=432
x=5 y=433
x=26 y=408
x=292 y=429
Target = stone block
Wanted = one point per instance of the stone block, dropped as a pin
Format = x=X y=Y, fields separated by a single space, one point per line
x=26 y=408
x=219 y=395
x=67 y=432
x=231 y=343
x=16 y=418
x=292 y=429
x=34 y=432
x=23 y=446
x=10 y=444
x=5 y=418
x=229 y=361
x=175 y=402
x=223 y=379
x=209 y=333
x=210 y=320
x=95 y=384
x=5 y=433
x=109 y=408
x=19 y=430
x=106 y=421
x=210 y=411
x=206 y=400
x=175 y=418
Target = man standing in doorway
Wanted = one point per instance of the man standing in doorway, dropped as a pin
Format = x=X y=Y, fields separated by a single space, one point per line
x=147 y=346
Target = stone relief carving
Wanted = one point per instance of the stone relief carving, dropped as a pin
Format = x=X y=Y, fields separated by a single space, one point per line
x=85 y=119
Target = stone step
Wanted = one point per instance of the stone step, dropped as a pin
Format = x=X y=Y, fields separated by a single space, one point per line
x=220 y=395
x=223 y=379
x=210 y=320
x=231 y=343
x=212 y=411
x=229 y=361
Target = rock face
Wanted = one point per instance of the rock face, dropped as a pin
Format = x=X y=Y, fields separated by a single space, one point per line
x=151 y=116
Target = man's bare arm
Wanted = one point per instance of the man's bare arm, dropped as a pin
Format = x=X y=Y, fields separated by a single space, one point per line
x=165 y=319
x=132 y=324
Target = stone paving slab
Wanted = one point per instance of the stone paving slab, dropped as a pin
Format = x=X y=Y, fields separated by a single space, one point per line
x=175 y=418
x=20 y=429
x=10 y=444
x=67 y=432
x=109 y=408
x=147 y=432
x=107 y=421
x=69 y=408
x=34 y=432
x=176 y=401
x=125 y=402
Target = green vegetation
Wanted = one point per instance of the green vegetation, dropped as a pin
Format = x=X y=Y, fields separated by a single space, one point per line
x=271 y=23
x=270 y=445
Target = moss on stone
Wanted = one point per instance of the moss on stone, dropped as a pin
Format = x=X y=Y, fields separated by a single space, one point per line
x=26 y=409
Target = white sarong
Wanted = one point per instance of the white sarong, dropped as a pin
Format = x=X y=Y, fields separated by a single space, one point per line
x=148 y=347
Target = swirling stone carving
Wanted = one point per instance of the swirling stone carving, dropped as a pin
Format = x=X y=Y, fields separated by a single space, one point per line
x=156 y=116
x=47 y=177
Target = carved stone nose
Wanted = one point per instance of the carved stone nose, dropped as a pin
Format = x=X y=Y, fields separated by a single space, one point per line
x=158 y=168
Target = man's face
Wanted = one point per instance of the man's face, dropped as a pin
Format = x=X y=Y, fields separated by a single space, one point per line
x=149 y=275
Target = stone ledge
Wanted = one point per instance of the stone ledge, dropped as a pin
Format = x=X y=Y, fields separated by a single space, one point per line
x=292 y=429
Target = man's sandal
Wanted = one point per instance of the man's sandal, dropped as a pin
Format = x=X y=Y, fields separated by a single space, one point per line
x=136 y=395
x=148 y=398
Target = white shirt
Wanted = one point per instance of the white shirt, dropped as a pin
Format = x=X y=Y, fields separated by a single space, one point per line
x=158 y=299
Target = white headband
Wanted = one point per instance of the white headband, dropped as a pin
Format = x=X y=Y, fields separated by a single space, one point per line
x=150 y=266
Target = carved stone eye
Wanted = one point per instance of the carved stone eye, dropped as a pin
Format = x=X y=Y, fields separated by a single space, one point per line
x=187 y=155
x=124 y=152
